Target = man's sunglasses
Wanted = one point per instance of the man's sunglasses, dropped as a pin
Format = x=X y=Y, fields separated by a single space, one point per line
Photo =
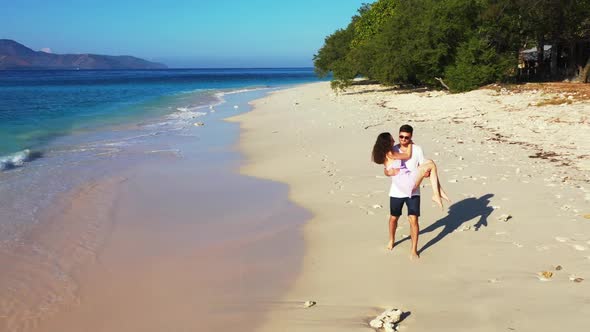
x=404 y=137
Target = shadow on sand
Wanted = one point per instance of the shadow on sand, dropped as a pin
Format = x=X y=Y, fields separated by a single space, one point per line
x=459 y=213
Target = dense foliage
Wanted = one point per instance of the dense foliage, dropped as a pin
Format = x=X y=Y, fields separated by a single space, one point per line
x=463 y=43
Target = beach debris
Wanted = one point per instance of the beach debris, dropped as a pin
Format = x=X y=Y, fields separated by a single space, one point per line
x=199 y=124
x=387 y=320
x=545 y=275
x=558 y=268
x=505 y=217
x=309 y=304
x=377 y=206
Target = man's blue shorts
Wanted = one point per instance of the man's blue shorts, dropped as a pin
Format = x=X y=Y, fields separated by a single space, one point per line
x=396 y=204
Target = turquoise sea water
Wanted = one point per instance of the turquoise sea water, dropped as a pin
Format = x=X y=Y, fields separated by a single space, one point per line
x=37 y=107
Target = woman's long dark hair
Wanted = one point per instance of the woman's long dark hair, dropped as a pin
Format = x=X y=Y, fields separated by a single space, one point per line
x=383 y=145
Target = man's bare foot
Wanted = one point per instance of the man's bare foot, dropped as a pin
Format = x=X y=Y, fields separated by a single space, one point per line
x=414 y=255
x=438 y=201
x=390 y=245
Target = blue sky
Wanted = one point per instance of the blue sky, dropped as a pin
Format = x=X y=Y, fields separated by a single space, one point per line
x=220 y=33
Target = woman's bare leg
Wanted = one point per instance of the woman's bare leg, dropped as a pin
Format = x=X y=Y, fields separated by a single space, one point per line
x=429 y=165
x=443 y=194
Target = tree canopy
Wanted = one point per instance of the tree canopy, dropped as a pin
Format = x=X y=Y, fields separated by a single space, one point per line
x=465 y=43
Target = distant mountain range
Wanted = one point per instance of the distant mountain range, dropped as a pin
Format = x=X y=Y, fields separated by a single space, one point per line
x=14 y=55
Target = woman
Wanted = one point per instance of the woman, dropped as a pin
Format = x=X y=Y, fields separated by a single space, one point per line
x=405 y=179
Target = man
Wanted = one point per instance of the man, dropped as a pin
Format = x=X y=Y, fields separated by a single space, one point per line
x=398 y=198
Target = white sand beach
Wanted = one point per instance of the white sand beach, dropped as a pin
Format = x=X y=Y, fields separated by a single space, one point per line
x=523 y=153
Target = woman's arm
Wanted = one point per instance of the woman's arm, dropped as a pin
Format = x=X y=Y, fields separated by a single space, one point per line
x=387 y=170
x=403 y=155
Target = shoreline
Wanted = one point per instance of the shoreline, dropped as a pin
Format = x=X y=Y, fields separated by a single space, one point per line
x=152 y=251
x=467 y=279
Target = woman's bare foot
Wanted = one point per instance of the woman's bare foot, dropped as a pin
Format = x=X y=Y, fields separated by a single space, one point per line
x=414 y=255
x=438 y=201
x=443 y=194
x=390 y=245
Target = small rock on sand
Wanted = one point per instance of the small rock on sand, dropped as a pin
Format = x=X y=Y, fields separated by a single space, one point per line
x=308 y=304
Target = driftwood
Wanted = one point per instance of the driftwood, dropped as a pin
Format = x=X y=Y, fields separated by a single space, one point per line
x=442 y=83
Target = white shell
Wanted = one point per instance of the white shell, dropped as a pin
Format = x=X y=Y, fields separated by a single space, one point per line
x=376 y=323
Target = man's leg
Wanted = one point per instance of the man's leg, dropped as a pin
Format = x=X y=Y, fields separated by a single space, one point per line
x=413 y=216
x=395 y=210
x=392 y=228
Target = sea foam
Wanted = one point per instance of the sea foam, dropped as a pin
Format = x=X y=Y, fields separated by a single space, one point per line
x=18 y=159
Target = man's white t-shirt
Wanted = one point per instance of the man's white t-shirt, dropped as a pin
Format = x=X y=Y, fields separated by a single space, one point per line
x=411 y=164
